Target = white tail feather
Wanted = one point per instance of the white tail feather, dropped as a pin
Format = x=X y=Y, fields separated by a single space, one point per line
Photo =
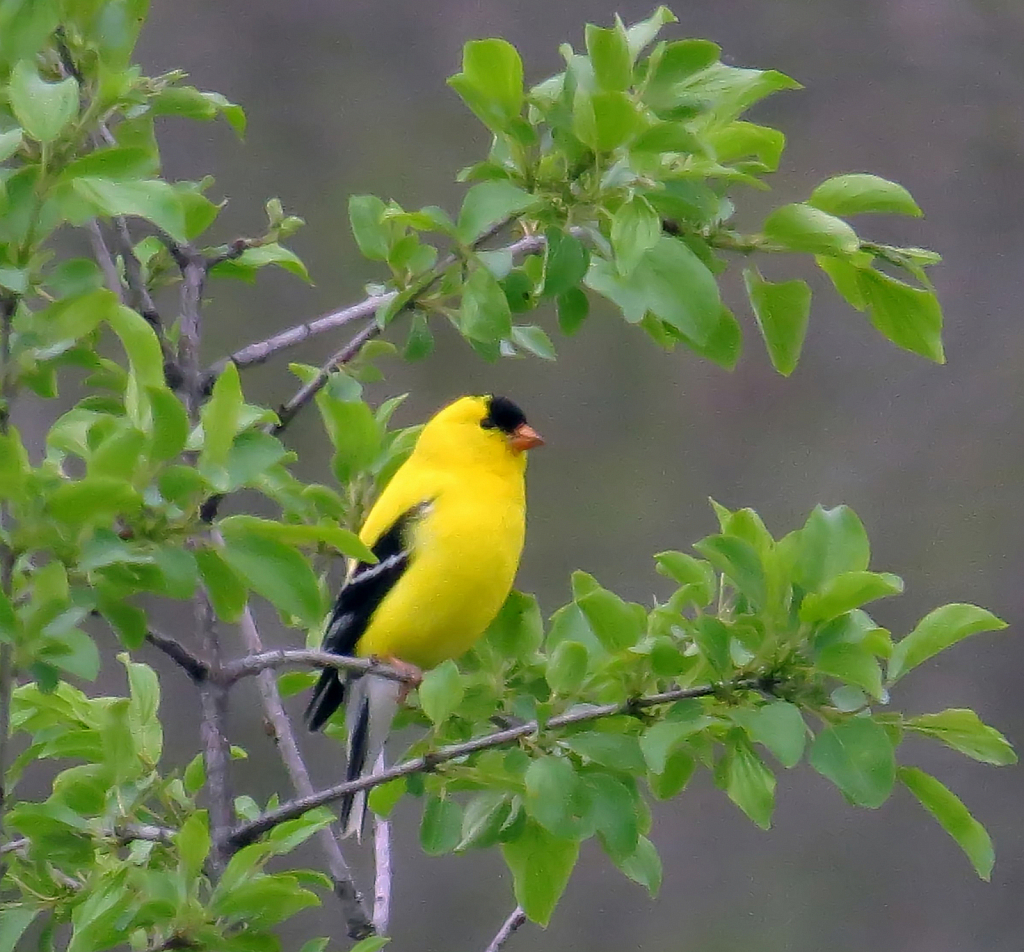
x=376 y=699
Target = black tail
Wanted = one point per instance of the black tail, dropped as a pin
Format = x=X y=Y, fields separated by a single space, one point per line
x=356 y=766
x=328 y=696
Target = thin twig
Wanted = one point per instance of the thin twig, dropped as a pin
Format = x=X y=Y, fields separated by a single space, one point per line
x=247 y=832
x=213 y=698
x=194 y=666
x=281 y=657
x=124 y=833
x=261 y=351
x=104 y=259
x=358 y=924
x=511 y=924
x=8 y=305
x=193 y=276
x=139 y=297
x=382 y=876
x=290 y=409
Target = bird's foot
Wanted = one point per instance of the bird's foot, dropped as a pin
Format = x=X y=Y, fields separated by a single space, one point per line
x=412 y=676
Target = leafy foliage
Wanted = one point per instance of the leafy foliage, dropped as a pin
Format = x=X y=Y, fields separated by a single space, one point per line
x=619 y=175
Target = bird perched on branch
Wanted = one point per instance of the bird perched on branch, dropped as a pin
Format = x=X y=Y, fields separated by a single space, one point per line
x=447 y=532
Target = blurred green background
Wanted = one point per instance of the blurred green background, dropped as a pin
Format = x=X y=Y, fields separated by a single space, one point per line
x=350 y=97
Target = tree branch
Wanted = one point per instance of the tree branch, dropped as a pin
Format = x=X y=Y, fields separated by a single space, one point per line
x=197 y=669
x=516 y=918
x=358 y=924
x=290 y=409
x=261 y=351
x=104 y=259
x=214 y=703
x=248 y=832
x=193 y=276
x=8 y=305
x=382 y=865
x=124 y=833
x=281 y=657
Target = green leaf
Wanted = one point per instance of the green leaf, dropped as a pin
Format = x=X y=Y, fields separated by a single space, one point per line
x=261 y=256
x=853 y=664
x=420 y=343
x=13 y=923
x=643 y=32
x=857 y=756
x=566 y=260
x=483 y=819
x=636 y=229
x=910 y=317
x=604 y=120
x=489 y=204
x=782 y=311
x=223 y=585
x=739 y=561
x=712 y=639
x=644 y=866
x=532 y=338
x=780 y=727
x=43 y=109
x=859 y=192
x=540 y=865
x=485 y=317
x=365 y=214
x=193 y=843
x=613 y=809
x=678 y=61
x=937 y=631
x=277 y=572
x=152 y=199
x=673 y=779
x=617 y=624
x=170 y=424
x=845 y=278
x=573 y=308
x=113 y=163
x=748 y=782
x=551 y=785
x=832 y=541
x=567 y=667
x=441 y=691
x=220 y=415
x=671 y=282
x=139 y=341
x=517 y=629
x=964 y=731
x=660 y=741
x=610 y=56
x=847 y=591
x=342 y=540
x=953 y=817
x=354 y=433
x=95 y=499
x=801 y=227
x=491 y=82
x=441 y=826
x=615 y=751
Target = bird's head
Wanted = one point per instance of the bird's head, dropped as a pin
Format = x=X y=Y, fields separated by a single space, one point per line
x=487 y=430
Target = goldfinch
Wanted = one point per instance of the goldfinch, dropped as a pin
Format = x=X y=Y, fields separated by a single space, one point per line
x=448 y=533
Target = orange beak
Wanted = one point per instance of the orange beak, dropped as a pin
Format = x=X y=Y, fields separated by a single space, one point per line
x=525 y=437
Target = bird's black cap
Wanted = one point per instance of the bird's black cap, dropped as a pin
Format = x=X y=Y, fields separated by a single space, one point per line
x=503 y=414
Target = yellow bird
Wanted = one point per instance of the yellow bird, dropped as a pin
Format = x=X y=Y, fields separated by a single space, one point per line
x=448 y=533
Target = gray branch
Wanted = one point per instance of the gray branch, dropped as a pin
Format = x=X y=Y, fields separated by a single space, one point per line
x=382 y=877
x=216 y=754
x=248 y=832
x=516 y=918
x=289 y=410
x=358 y=924
x=104 y=259
x=197 y=669
x=261 y=351
x=281 y=657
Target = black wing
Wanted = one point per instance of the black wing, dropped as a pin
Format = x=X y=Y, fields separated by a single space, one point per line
x=355 y=605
